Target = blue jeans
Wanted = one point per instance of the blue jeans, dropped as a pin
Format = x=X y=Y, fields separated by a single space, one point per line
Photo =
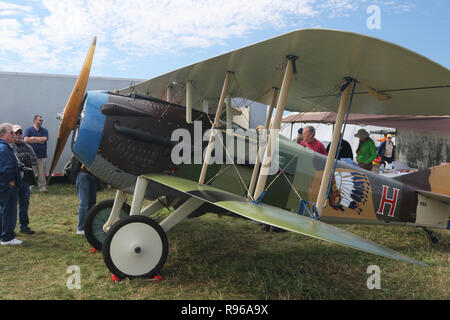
x=24 y=201
x=87 y=193
x=8 y=214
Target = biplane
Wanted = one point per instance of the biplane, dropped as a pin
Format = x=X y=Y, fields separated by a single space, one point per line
x=126 y=138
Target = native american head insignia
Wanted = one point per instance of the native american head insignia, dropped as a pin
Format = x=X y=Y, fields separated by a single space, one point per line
x=350 y=190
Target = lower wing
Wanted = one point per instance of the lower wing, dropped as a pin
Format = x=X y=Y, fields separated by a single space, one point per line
x=277 y=217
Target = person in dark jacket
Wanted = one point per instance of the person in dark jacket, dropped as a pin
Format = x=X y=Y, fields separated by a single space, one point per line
x=28 y=159
x=387 y=150
x=299 y=137
x=345 y=152
x=87 y=185
x=9 y=180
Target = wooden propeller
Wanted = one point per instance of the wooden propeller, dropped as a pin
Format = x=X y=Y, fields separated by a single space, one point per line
x=72 y=108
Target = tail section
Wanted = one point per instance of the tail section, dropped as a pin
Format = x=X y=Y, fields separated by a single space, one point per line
x=435 y=180
x=440 y=179
x=433 y=210
x=433 y=189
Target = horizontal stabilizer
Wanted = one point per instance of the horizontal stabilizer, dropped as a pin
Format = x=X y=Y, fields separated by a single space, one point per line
x=435 y=180
x=277 y=217
x=437 y=196
x=433 y=210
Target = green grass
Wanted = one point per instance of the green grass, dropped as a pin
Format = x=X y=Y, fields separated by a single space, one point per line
x=215 y=257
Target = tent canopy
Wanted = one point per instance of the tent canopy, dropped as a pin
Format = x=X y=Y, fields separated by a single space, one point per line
x=413 y=123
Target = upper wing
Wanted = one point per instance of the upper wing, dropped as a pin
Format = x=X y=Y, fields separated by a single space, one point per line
x=277 y=217
x=417 y=86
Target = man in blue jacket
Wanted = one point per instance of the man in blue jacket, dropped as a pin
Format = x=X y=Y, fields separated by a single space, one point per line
x=387 y=150
x=9 y=180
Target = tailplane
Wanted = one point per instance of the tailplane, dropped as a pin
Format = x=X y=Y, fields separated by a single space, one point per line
x=435 y=179
x=433 y=210
x=433 y=189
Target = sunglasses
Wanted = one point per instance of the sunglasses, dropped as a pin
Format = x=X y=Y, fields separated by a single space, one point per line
x=18 y=133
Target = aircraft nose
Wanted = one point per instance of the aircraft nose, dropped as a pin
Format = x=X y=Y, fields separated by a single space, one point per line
x=91 y=128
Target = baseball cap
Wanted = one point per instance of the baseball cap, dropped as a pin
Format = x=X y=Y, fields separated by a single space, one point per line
x=16 y=128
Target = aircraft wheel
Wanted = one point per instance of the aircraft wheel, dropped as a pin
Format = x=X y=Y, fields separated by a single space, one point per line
x=97 y=217
x=136 y=246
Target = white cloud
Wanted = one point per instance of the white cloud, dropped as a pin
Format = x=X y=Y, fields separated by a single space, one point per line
x=396 y=6
x=58 y=33
x=11 y=6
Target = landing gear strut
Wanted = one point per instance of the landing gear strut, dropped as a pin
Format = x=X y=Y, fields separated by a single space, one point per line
x=136 y=246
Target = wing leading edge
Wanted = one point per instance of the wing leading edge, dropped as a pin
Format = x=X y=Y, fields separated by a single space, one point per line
x=277 y=217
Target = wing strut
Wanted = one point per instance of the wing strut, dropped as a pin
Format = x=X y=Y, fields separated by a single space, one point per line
x=212 y=135
x=251 y=187
x=335 y=140
x=275 y=127
x=189 y=101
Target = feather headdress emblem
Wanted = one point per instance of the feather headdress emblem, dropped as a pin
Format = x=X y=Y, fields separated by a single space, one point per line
x=350 y=190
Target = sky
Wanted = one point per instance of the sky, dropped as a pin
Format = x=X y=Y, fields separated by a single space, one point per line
x=146 y=38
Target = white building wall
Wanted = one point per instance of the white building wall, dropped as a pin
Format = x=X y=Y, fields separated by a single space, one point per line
x=423 y=149
x=24 y=95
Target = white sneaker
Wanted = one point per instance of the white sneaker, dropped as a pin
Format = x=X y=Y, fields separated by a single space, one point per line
x=80 y=232
x=12 y=242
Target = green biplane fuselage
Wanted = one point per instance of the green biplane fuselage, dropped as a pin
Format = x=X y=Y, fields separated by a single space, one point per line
x=134 y=138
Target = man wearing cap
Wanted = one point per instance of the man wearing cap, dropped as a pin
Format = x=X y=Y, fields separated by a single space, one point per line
x=387 y=150
x=366 y=152
x=299 y=137
x=37 y=137
x=9 y=179
x=28 y=160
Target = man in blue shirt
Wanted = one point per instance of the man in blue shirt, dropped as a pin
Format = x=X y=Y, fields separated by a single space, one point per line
x=9 y=180
x=37 y=137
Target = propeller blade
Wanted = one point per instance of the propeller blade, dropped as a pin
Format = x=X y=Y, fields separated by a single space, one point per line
x=72 y=108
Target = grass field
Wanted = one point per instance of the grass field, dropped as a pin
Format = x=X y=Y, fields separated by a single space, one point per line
x=219 y=258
